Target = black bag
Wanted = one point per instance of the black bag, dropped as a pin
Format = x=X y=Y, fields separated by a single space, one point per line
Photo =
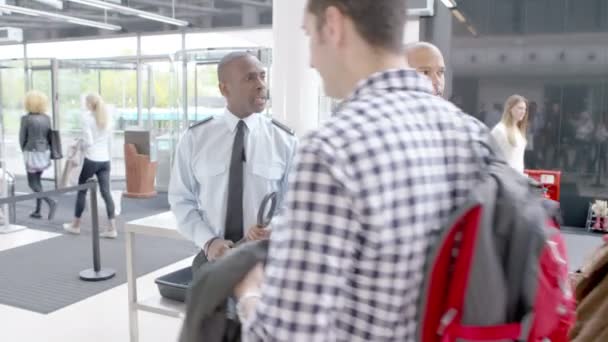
x=55 y=144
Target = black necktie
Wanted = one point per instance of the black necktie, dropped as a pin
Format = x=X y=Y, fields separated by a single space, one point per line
x=234 y=213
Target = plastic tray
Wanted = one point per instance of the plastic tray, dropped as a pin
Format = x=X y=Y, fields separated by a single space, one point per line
x=175 y=285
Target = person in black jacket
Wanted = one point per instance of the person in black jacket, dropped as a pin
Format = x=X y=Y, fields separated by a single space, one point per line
x=34 y=141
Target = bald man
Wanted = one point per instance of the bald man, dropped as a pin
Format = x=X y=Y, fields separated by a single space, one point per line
x=428 y=60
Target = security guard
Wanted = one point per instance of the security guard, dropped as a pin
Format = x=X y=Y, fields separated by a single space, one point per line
x=226 y=165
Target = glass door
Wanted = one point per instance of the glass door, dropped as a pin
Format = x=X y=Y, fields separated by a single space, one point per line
x=206 y=98
x=41 y=79
x=12 y=93
x=116 y=83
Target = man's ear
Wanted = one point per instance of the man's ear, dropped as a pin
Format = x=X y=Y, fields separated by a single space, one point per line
x=335 y=25
x=223 y=89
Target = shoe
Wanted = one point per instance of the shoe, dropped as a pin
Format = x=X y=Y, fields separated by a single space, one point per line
x=35 y=215
x=68 y=227
x=109 y=234
x=52 y=209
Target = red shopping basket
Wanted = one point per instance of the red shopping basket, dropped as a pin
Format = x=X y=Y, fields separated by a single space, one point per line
x=550 y=180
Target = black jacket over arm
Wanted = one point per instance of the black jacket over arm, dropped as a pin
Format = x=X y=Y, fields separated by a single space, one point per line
x=215 y=281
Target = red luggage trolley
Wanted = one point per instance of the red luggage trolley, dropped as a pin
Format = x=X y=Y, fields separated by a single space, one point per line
x=550 y=180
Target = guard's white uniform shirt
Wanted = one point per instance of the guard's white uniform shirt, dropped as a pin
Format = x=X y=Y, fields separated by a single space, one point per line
x=198 y=191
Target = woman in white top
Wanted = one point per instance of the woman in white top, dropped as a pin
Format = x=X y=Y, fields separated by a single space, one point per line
x=510 y=132
x=97 y=141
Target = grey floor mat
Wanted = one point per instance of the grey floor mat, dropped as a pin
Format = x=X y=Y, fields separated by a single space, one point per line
x=580 y=245
x=43 y=277
x=131 y=209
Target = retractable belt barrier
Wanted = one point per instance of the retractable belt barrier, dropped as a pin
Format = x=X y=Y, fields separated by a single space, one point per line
x=92 y=274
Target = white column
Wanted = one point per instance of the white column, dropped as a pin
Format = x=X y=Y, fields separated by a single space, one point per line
x=295 y=86
x=442 y=37
x=139 y=75
x=412 y=31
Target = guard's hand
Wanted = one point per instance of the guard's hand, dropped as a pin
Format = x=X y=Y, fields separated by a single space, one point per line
x=217 y=248
x=257 y=233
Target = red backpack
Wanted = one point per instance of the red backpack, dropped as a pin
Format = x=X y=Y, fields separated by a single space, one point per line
x=499 y=272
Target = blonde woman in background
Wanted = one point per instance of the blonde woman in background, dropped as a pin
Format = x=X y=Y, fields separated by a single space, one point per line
x=510 y=132
x=34 y=141
x=97 y=141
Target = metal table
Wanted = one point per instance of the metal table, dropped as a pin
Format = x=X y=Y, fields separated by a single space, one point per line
x=162 y=225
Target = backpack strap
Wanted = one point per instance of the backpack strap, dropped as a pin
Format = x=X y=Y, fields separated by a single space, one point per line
x=491 y=333
x=513 y=331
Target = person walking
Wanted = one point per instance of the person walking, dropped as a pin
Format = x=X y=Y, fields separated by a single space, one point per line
x=97 y=141
x=34 y=140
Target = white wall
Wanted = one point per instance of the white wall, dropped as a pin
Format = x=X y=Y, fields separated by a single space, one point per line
x=295 y=86
x=93 y=48
x=412 y=31
x=11 y=51
x=229 y=39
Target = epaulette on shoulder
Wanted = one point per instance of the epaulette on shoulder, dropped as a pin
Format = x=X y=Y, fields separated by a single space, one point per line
x=283 y=127
x=200 y=123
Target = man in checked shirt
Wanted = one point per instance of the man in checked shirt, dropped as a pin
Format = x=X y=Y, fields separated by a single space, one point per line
x=372 y=189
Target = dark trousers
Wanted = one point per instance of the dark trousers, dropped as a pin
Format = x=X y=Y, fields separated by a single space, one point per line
x=102 y=171
x=34 y=182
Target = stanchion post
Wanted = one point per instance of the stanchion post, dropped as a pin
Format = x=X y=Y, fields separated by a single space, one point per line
x=12 y=210
x=95 y=225
x=96 y=273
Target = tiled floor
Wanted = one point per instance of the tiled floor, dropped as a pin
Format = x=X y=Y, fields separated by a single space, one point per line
x=104 y=318
x=23 y=237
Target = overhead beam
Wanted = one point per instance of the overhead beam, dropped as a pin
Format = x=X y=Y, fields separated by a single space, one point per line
x=126 y=19
x=39 y=25
x=53 y=3
x=131 y=11
x=264 y=4
x=26 y=20
x=57 y=16
x=202 y=9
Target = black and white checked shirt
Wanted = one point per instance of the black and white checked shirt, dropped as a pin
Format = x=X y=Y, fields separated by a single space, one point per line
x=371 y=191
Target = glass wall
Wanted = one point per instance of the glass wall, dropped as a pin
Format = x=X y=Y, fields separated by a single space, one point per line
x=12 y=84
x=555 y=53
x=108 y=67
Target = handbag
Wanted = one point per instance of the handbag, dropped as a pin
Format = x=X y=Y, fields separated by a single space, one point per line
x=73 y=165
x=55 y=144
x=37 y=161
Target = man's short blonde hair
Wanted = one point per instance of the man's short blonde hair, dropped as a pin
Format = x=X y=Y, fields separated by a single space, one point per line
x=36 y=102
